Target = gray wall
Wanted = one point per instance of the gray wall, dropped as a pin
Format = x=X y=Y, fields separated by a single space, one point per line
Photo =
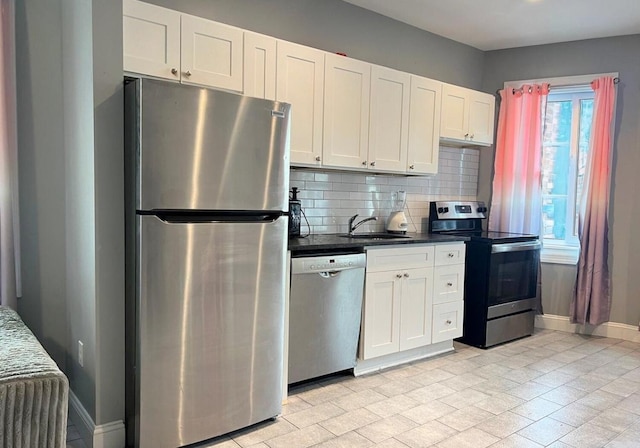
x=41 y=170
x=337 y=26
x=77 y=107
x=619 y=54
x=70 y=137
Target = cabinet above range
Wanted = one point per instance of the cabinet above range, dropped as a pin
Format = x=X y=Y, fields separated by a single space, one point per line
x=346 y=114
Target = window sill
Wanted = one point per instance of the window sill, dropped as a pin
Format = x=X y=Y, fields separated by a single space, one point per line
x=557 y=254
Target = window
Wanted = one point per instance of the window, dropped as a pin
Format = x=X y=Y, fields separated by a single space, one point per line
x=567 y=125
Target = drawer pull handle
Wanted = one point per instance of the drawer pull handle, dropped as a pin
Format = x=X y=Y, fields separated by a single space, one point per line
x=451 y=255
x=406 y=275
x=449 y=284
x=448 y=322
x=399 y=275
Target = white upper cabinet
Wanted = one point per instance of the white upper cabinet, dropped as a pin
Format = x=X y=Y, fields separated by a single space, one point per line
x=259 y=66
x=389 y=119
x=346 y=112
x=424 y=126
x=151 y=38
x=300 y=82
x=467 y=116
x=166 y=44
x=482 y=109
x=211 y=53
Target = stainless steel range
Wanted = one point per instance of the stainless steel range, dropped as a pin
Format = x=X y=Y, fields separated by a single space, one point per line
x=501 y=272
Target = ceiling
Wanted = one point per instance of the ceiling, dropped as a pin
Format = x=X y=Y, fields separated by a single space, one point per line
x=497 y=24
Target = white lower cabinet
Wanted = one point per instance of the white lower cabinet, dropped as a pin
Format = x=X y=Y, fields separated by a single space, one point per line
x=413 y=298
x=447 y=321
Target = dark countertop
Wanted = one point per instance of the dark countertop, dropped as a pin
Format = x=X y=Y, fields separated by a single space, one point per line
x=326 y=242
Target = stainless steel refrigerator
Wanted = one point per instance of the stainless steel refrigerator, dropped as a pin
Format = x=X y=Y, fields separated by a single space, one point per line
x=208 y=175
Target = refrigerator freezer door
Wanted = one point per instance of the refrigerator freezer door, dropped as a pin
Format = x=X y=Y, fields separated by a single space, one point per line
x=210 y=150
x=211 y=328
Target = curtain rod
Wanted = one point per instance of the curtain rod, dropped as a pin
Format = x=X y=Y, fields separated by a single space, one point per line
x=616 y=80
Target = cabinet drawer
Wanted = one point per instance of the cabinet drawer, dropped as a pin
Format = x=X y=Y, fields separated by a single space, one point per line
x=448 y=283
x=447 y=321
x=449 y=254
x=399 y=258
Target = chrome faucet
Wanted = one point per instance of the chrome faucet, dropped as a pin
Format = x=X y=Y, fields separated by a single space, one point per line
x=353 y=227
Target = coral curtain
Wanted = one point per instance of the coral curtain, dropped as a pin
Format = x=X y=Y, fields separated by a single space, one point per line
x=9 y=225
x=592 y=301
x=516 y=204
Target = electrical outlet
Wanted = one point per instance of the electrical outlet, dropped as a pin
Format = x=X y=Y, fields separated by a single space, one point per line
x=81 y=353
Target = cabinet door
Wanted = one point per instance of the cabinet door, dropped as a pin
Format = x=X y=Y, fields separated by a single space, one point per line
x=151 y=38
x=381 y=314
x=259 y=66
x=389 y=122
x=449 y=283
x=211 y=54
x=454 y=122
x=424 y=126
x=481 y=118
x=300 y=82
x=447 y=321
x=346 y=112
x=416 y=308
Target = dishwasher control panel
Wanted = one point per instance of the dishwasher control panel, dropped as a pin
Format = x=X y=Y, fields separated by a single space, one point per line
x=327 y=263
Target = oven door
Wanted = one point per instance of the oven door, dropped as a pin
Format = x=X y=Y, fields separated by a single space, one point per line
x=513 y=271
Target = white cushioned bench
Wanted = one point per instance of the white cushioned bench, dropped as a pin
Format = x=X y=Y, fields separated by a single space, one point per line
x=34 y=393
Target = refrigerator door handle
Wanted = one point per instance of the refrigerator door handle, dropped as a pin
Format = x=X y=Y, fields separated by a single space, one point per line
x=185 y=217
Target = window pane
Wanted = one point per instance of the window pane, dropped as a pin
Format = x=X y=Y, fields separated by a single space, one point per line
x=554 y=213
x=556 y=159
x=586 y=116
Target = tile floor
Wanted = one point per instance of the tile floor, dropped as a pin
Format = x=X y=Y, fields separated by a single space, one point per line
x=552 y=389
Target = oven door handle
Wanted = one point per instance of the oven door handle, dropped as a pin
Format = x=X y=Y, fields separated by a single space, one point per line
x=515 y=247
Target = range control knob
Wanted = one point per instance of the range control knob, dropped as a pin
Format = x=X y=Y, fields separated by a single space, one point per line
x=482 y=209
x=440 y=209
x=446 y=209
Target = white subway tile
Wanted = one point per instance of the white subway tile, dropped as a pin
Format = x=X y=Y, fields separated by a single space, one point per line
x=336 y=195
x=328 y=177
x=318 y=185
x=336 y=186
x=301 y=175
x=353 y=178
x=310 y=194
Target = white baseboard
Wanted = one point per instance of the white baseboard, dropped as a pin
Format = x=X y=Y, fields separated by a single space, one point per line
x=609 y=329
x=109 y=435
x=394 y=359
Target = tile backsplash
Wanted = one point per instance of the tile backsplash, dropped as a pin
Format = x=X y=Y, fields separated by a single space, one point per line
x=330 y=197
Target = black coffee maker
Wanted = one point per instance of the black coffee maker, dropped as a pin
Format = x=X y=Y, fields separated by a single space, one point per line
x=295 y=212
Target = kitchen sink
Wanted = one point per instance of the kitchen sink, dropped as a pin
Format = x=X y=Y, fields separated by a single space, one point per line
x=375 y=236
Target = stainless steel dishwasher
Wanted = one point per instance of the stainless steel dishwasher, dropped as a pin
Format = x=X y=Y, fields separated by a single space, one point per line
x=325 y=305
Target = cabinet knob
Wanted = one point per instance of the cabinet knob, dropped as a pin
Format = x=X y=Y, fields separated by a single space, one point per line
x=398 y=275
x=318 y=158
x=448 y=322
x=411 y=167
x=406 y=275
x=471 y=136
x=174 y=71
x=187 y=73
x=466 y=135
x=449 y=284
x=364 y=163
x=373 y=164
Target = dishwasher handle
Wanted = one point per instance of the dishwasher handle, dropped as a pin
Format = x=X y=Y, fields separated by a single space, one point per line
x=327 y=263
x=329 y=274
